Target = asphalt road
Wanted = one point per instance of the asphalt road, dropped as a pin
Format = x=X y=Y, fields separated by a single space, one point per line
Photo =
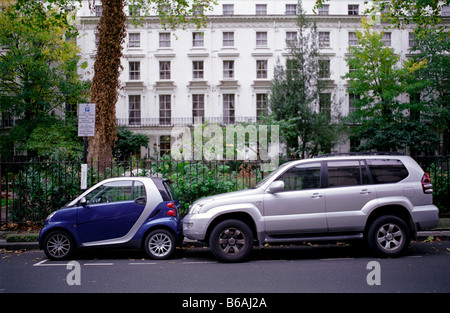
x=288 y=269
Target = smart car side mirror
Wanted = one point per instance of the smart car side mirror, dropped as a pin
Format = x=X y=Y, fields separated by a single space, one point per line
x=276 y=186
x=82 y=201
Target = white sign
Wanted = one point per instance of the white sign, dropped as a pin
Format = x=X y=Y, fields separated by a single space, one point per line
x=86 y=119
x=84 y=176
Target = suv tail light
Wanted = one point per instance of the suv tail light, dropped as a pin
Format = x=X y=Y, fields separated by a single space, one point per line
x=426 y=184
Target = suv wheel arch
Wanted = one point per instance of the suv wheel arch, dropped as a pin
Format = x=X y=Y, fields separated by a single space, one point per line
x=241 y=216
x=395 y=210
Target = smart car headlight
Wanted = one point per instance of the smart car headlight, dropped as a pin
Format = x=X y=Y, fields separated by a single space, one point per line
x=50 y=216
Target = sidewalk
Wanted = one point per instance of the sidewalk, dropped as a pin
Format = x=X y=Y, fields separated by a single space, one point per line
x=442 y=232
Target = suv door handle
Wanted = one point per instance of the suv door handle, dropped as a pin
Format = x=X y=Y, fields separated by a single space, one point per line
x=365 y=192
x=316 y=195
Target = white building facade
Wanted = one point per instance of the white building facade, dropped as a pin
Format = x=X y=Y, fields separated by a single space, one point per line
x=222 y=73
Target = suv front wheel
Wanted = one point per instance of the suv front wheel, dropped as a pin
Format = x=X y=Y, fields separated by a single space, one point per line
x=231 y=241
x=388 y=236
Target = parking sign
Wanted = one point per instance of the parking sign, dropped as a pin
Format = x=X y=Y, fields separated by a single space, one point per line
x=86 y=119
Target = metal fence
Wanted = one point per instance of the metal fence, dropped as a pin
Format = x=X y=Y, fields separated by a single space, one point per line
x=30 y=190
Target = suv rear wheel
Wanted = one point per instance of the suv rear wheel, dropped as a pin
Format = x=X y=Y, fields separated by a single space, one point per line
x=388 y=236
x=231 y=241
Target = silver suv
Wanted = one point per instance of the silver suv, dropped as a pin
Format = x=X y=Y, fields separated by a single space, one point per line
x=382 y=199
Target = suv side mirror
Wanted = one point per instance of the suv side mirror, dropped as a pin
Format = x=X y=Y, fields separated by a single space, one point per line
x=82 y=201
x=276 y=186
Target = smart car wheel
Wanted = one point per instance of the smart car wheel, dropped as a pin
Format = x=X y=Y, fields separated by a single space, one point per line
x=388 y=236
x=58 y=245
x=231 y=241
x=160 y=244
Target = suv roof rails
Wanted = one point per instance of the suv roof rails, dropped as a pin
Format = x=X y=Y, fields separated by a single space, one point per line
x=360 y=153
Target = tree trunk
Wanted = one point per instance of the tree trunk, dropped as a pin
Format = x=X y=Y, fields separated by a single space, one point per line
x=105 y=84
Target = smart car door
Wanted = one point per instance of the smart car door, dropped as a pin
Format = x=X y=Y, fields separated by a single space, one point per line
x=110 y=210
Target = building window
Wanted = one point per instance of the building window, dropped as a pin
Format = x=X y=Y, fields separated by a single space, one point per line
x=262 y=105
x=325 y=104
x=324 y=39
x=411 y=40
x=198 y=10
x=261 y=39
x=164 y=69
x=197 y=39
x=228 y=108
x=445 y=10
x=96 y=39
x=134 y=10
x=228 y=69
x=353 y=9
x=261 y=69
x=164 y=40
x=165 y=112
x=351 y=102
x=261 y=9
x=291 y=39
x=198 y=70
x=291 y=9
x=135 y=70
x=228 y=39
x=352 y=39
x=134 y=110
x=98 y=10
x=164 y=145
x=387 y=39
x=134 y=40
x=228 y=9
x=198 y=108
x=324 y=9
x=324 y=69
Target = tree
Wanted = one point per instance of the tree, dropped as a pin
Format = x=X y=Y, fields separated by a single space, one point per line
x=378 y=80
x=38 y=69
x=435 y=78
x=112 y=31
x=422 y=13
x=128 y=143
x=295 y=96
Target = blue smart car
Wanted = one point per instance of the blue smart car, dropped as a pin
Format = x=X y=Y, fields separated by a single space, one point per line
x=132 y=212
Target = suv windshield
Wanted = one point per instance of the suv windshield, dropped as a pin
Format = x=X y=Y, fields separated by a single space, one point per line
x=274 y=173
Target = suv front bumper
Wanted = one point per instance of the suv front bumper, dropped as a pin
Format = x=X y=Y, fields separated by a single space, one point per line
x=195 y=226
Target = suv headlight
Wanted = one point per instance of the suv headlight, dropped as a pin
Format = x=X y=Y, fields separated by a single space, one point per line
x=196 y=208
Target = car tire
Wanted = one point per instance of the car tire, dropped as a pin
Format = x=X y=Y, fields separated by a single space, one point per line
x=59 y=245
x=160 y=244
x=388 y=236
x=231 y=241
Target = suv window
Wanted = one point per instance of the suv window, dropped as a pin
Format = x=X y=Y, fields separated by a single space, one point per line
x=300 y=177
x=347 y=173
x=387 y=171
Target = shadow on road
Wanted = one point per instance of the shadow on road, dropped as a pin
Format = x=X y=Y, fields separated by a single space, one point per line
x=306 y=251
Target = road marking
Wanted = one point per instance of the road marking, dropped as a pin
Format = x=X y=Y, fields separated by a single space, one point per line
x=335 y=259
x=49 y=264
x=142 y=263
x=98 y=264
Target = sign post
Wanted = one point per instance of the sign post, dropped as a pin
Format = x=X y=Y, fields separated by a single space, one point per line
x=86 y=128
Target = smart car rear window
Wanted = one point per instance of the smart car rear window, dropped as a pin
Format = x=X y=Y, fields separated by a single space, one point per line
x=387 y=171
